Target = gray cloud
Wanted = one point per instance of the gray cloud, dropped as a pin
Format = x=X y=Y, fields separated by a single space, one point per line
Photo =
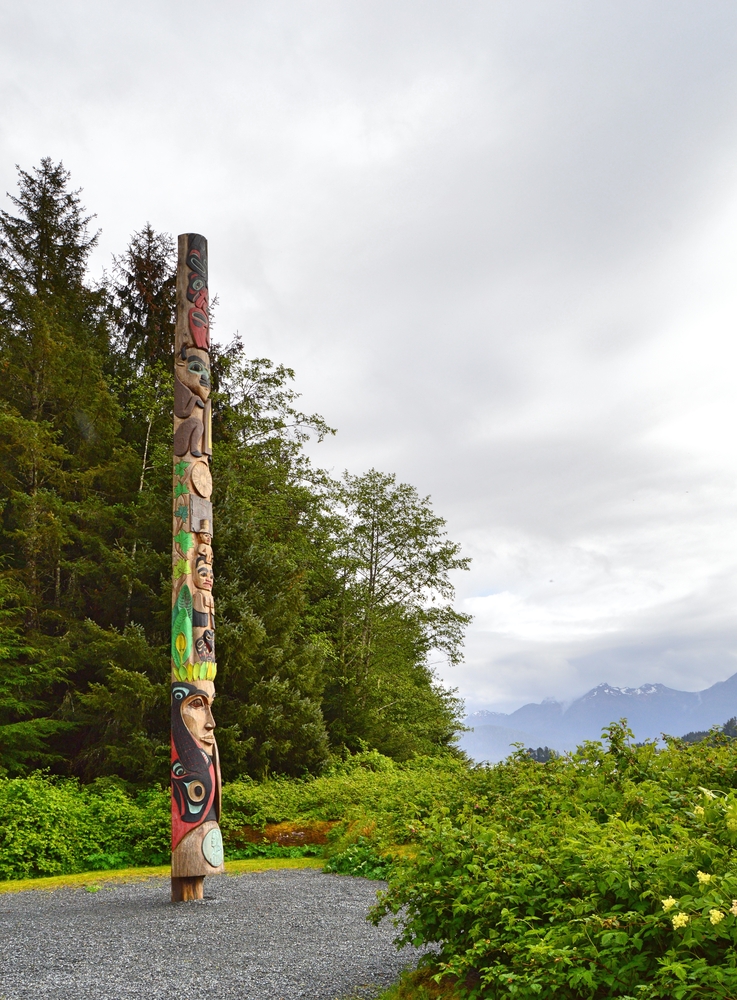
x=497 y=243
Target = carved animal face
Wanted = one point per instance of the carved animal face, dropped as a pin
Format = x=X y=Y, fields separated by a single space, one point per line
x=197 y=254
x=193 y=370
x=205 y=644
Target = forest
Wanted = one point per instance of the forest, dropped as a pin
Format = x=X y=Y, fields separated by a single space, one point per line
x=334 y=596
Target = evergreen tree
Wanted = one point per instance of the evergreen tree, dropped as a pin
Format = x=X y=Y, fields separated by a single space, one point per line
x=58 y=427
x=394 y=610
x=145 y=294
x=269 y=509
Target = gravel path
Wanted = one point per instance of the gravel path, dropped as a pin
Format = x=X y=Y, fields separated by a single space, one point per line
x=273 y=935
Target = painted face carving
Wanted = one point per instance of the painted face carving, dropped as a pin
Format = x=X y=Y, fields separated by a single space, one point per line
x=197 y=716
x=193 y=370
x=204 y=575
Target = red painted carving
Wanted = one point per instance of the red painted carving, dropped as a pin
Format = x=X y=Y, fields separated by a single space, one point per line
x=199 y=327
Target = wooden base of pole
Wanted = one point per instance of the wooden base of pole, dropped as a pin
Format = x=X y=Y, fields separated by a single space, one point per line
x=183 y=890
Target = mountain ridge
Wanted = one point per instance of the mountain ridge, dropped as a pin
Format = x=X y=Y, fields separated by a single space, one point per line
x=650 y=710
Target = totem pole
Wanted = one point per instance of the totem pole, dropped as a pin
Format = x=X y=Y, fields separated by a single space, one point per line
x=196 y=842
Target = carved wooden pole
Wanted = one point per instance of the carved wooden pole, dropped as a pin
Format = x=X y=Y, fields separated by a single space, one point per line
x=196 y=842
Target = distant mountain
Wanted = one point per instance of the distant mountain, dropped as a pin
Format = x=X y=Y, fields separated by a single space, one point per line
x=650 y=710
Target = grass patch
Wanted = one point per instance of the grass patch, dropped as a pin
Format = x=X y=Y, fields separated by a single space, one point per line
x=92 y=881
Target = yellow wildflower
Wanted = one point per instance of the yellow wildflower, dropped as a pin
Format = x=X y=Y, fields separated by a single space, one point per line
x=703 y=877
x=733 y=908
x=715 y=916
x=731 y=817
x=669 y=903
x=699 y=811
x=680 y=920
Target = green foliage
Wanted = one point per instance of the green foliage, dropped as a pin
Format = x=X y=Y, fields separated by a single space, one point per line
x=607 y=873
x=392 y=610
x=24 y=684
x=728 y=729
x=419 y=984
x=145 y=297
x=360 y=860
x=269 y=850
x=367 y=795
x=60 y=827
x=313 y=657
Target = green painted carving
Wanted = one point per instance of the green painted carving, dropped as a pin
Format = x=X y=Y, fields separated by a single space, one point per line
x=184 y=541
x=181 y=467
x=181 y=630
x=181 y=568
x=184 y=599
x=181 y=512
x=180 y=490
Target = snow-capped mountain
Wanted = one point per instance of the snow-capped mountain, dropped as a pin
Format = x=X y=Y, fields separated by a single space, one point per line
x=650 y=710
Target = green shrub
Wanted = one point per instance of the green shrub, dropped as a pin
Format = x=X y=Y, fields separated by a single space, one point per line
x=367 y=795
x=609 y=873
x=359 y=859
x=267 y=850
x=55 y=827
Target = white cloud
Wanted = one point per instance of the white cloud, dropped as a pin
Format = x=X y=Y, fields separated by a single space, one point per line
x=497 y=242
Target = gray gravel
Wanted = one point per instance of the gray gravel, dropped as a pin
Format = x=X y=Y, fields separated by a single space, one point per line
x=273 y=935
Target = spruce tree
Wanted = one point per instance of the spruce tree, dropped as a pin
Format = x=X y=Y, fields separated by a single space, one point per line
x=145 y=293
x=58 y=424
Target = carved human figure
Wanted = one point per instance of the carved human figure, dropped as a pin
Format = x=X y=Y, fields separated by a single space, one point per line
x=204 y=543
x=203 y=605
x=203 y=613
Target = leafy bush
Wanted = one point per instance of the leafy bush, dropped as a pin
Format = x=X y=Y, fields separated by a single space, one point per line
x=359 y=859
x=608 y=873
x=420 y=984
x=55 y=827
x=367 y=795
x=267 y=850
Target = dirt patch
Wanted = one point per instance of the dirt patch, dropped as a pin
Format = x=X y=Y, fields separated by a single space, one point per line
x=285 y=834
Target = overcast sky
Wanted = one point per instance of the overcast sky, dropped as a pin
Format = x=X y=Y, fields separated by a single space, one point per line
x=498 y=243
